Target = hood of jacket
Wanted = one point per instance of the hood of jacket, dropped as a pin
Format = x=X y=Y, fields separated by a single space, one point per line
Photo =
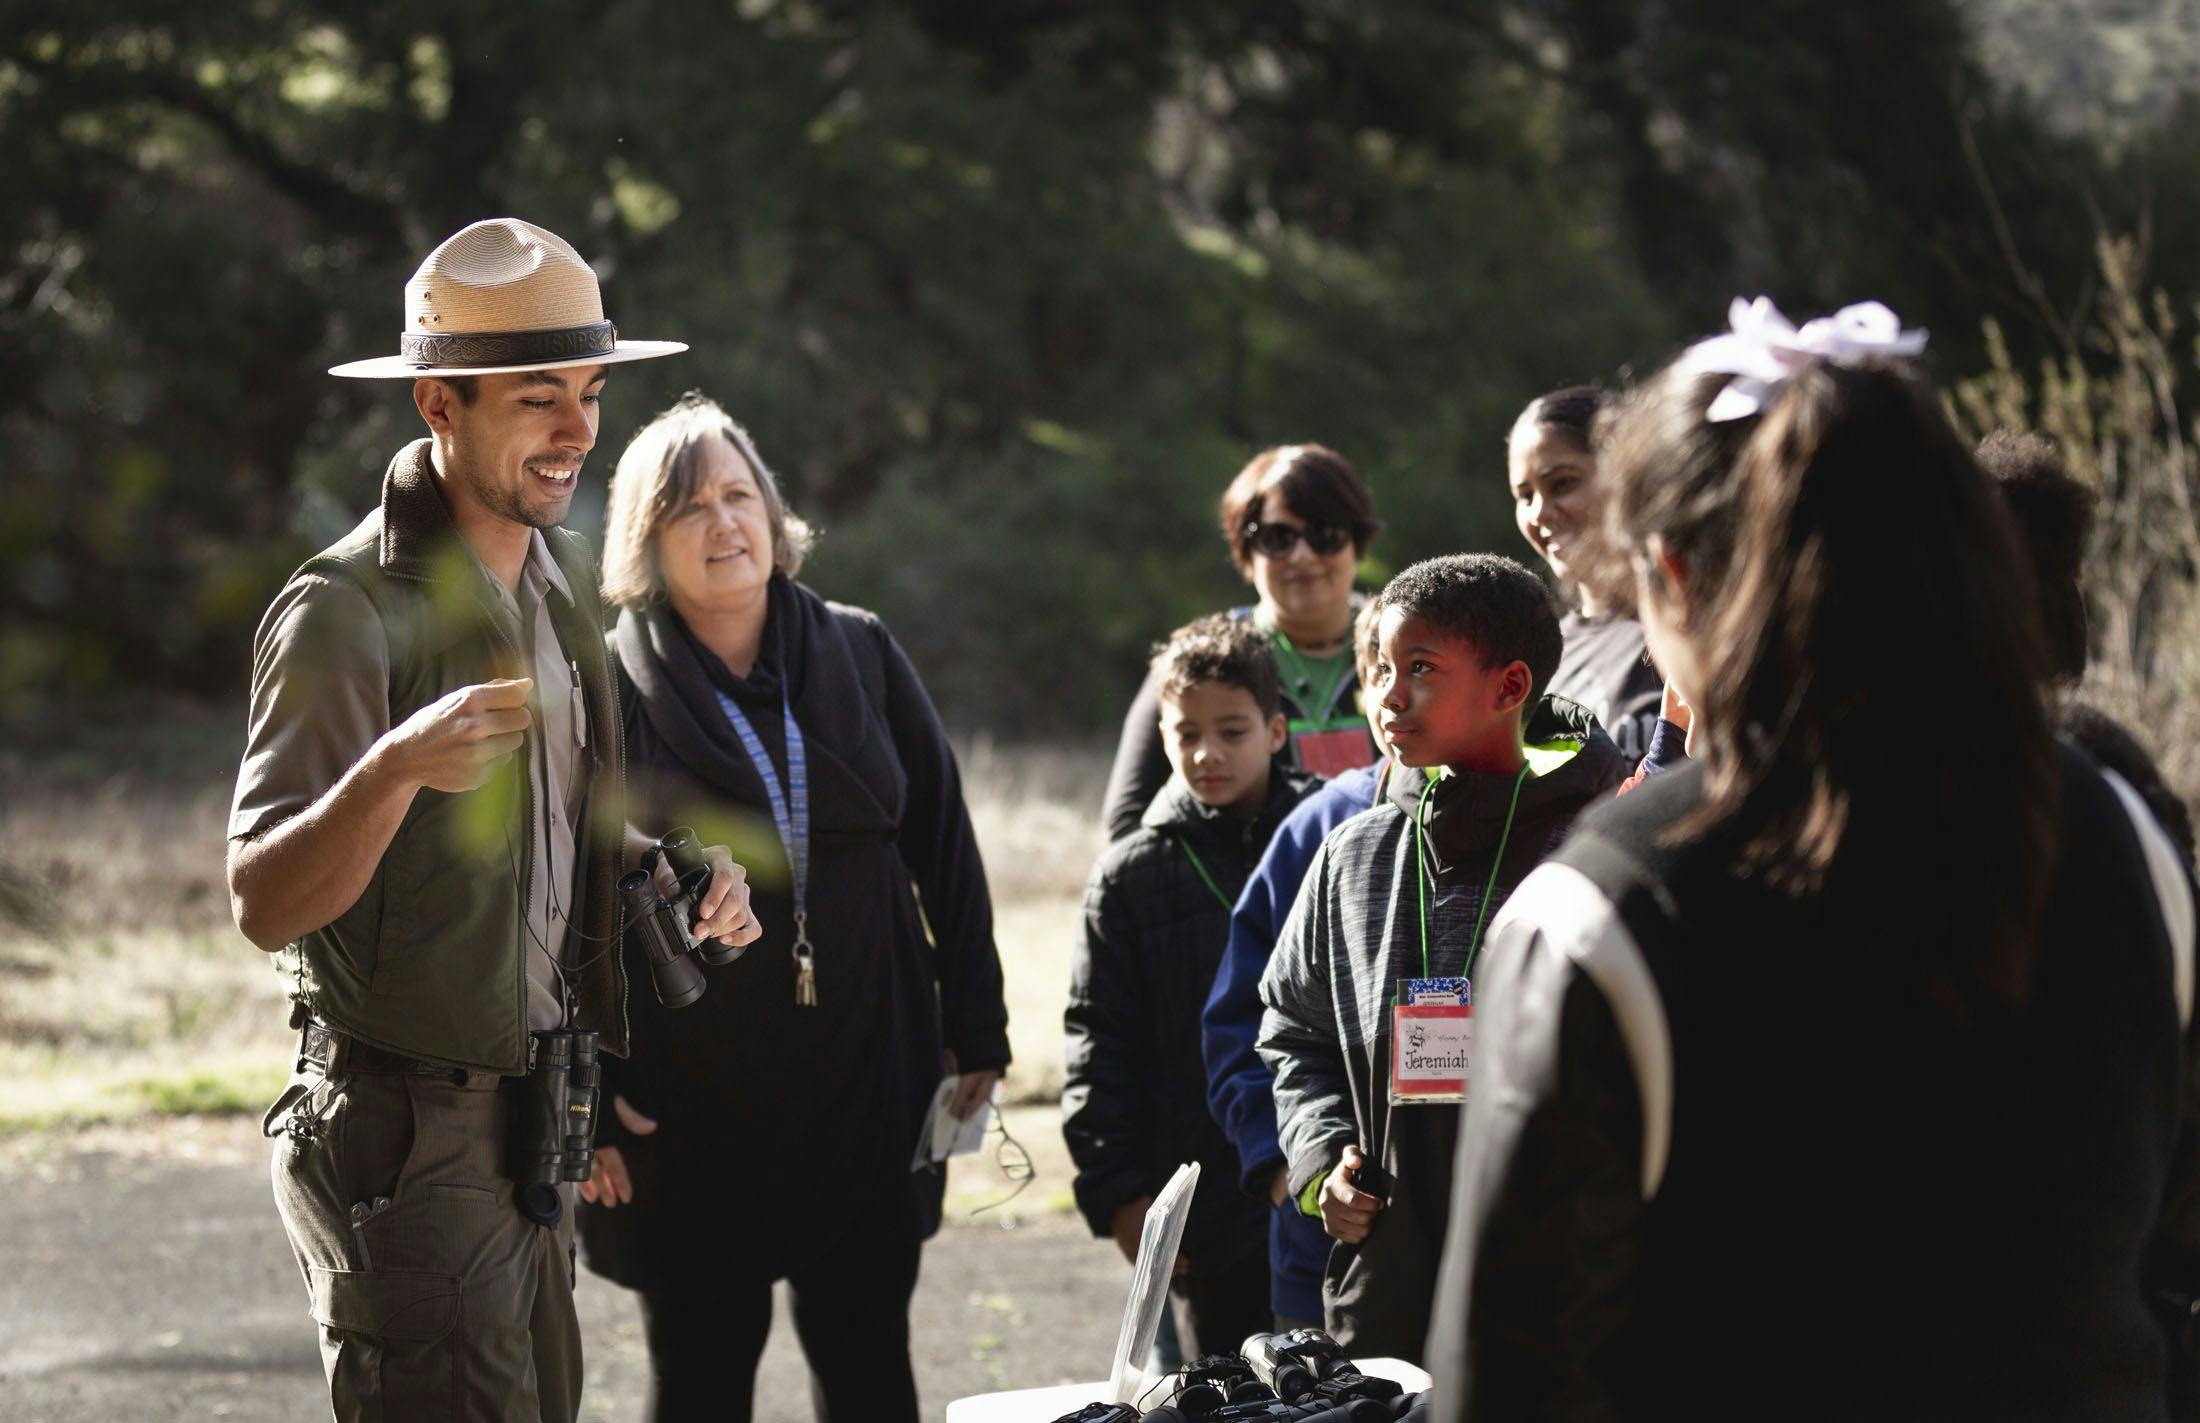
x=1175 y=811
x=1570 y=763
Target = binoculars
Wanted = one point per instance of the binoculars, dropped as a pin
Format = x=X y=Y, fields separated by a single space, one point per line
x=1307 y=1366
x=553 y=1124
x=1299 y=1377
x=665 y=928
x=1371 y=1180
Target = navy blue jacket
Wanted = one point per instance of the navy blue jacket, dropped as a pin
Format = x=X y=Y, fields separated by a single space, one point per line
x=1240 y=1089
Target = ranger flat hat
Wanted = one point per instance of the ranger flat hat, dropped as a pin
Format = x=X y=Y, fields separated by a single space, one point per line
x=503 y=295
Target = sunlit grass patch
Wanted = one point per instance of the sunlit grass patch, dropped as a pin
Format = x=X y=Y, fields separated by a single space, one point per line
x=74 y=1096
x=125 y=993
x=108 y=1026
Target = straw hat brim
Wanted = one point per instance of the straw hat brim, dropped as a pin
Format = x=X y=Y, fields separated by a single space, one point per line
x=398 y=368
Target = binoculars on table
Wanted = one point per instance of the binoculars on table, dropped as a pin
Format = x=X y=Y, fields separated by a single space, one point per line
x=553 y=1122
x=1307 y=1366
x=1301 y=1376
x=665 y=927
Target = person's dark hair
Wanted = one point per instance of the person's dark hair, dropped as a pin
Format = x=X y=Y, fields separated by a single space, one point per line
x=1489 y=602
x=1219 y=648
x=1318 y=484
x=466 y=388
x=1571 y=412
x=1852 y=581
x=2054 y=515
x=1367 y=630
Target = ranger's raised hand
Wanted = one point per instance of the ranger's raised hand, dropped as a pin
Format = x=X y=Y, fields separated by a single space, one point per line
x=454 y=742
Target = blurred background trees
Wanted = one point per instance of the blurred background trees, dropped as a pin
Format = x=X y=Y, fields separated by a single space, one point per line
x=1006 y=291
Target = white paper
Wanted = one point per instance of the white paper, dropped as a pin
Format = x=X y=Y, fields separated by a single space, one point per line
x=1157 y=1244
x=943 y=1134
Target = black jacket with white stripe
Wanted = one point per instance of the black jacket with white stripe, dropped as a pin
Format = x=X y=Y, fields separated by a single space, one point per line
x=1725 y=1159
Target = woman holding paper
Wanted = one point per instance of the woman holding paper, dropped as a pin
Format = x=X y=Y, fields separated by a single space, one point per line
x=797 y=729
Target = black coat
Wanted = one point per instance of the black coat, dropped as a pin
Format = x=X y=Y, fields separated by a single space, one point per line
x=826 y=1101
x=1733 y=1155
x=1134 y=1103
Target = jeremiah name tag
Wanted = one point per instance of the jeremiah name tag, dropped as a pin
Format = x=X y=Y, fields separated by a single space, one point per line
x=1431 y=1036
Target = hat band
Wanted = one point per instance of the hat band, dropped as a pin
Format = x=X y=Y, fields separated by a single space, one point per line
x=519 y=349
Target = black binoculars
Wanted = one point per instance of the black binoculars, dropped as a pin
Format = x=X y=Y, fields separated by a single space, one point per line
x=665 y=928
x=1273 y=1410
x=1372 y=1180
x=553 y=1125
x=1307 y=1366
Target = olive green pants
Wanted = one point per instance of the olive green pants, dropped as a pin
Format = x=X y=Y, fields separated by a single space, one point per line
x=435 y=1298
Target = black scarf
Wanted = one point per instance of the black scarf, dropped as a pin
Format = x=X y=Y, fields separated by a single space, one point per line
x=857 y=786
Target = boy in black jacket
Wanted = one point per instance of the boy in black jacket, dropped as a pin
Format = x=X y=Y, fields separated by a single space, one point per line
x=1157 y=916
x=1405 y=892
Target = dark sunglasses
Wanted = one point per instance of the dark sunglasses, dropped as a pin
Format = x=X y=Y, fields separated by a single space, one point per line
x=1277 y=540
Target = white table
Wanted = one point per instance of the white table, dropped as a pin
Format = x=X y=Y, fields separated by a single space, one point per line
x=1044 y=1405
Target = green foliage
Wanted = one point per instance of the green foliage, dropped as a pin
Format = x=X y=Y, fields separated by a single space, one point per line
x=1006 y=292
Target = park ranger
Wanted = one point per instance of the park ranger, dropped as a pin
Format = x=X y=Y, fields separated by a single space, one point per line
x=427 y=831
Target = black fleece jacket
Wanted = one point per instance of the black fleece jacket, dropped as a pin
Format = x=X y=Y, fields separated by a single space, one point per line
x=832 y=1095
x=1816 y=1181
x=1134 y=1104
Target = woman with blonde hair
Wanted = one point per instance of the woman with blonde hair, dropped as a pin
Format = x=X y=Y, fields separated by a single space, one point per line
x=769 y=1126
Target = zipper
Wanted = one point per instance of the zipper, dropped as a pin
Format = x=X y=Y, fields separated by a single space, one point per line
x=527 y=826
x=618 y=902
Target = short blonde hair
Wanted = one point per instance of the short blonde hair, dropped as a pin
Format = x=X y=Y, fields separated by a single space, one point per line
x=655 y=479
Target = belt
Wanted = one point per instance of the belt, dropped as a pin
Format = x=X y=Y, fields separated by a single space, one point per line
x=336 y=1053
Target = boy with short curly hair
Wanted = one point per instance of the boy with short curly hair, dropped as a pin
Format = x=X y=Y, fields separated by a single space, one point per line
x=1492 y=773
x=1157 y=915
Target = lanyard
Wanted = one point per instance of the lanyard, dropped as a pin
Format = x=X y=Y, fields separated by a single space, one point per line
x=791 y=815
x=1420 y=852
x=1193 y=855
x=1317 y=709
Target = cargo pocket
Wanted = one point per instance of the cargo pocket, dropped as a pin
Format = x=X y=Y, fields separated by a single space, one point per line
x=388 y=1342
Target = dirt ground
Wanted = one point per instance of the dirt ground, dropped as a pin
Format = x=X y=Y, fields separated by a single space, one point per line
x=143 y=1276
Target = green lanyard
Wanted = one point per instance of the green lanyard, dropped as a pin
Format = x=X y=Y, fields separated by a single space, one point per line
x=1193 y=856
x=1296 y=665
x=1420 y=849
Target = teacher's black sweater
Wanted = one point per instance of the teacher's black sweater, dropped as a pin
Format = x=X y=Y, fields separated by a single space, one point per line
x=818 y=1106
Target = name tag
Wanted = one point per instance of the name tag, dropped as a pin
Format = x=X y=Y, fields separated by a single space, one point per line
x=1431 y=1040
x=1329 y=754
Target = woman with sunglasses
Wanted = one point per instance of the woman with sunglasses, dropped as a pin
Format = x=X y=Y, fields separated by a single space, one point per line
x=1297 y=520
x=1551 y=466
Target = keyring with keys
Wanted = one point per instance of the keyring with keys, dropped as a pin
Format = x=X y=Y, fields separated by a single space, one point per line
x=805 y=963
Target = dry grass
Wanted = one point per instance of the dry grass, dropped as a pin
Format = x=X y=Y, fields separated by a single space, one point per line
x=126 y=991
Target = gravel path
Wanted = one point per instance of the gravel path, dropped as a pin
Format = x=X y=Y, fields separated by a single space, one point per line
x=143 y=1276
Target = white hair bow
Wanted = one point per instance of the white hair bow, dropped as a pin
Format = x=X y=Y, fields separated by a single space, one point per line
x=1763 y=348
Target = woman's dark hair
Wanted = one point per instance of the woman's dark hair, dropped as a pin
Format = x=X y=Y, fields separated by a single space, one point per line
x=1490 y=603
x=2054 y=515
x=1869 y=692
x=1318 y=484
x=1571 y=412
